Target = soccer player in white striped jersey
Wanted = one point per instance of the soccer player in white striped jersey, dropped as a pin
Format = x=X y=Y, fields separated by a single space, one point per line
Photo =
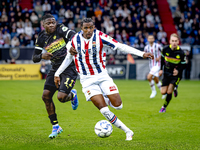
x=154 y=64
x=89 y=59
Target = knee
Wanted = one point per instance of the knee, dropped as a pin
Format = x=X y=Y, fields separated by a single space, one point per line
x=169 y=92
x=163 y=92
x=46 y=97
x=119 y=107
x=62 y=97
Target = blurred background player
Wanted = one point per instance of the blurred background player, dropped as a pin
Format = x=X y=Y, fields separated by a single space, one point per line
x=173 y=59
x=54 y=39
x=154 y=64
x=89 y=60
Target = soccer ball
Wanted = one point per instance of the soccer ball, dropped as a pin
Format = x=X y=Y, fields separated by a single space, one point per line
x=103 y=128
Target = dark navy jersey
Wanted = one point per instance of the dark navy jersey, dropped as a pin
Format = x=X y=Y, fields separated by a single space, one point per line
x=173 y=59
x=55 y=43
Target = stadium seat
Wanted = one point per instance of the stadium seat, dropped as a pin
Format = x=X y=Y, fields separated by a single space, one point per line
x=132 y=39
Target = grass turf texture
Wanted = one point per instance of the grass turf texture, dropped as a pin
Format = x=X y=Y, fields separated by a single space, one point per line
x=24 y=122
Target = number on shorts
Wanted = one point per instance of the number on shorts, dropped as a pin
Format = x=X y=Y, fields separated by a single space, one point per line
x=68 y=83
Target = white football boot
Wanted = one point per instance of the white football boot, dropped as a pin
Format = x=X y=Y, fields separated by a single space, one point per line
x=153 y=94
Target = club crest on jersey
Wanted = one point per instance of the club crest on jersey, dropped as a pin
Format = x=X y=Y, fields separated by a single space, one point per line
x=88 y=92
x=64 y=29
x=112 y=88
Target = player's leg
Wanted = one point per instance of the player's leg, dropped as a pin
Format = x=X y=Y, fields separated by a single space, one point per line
x=110 y=89
x=164 y=88
x=49 y=90
x=65 y=91
x=99 y=102
x=176 y=87
x=152 y=85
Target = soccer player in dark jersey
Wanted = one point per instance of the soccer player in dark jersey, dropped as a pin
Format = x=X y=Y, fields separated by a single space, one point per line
x=173 y=59
x=54 y=39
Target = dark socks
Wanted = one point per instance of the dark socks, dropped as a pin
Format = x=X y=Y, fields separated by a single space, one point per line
x=168 y=99
x=53 y=119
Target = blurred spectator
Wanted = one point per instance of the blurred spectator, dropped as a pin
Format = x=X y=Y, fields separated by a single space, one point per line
x=1 y=41
x=187 y=25
x=190 y=40
x=46 y=7
x=15 y=41
x=22 y=40
x=54 y=8
x=20 y=30
x=33 y=17
x=69 y=14
x=28 y=30
x=27 y=22
x=119 y=12
x=43 y=69
x=109 y=28
x=20 y=23
x=188 y=64
x=12 y=61
x=71 y=25
x=83 y=12
x=38 y=8
x=7 y=42
x=161 y=34
x=125 y=36
x=111 y=60
x=102 y=28
x=6 y=35
x=13 y=33
x=98 y=12
x=90 y=12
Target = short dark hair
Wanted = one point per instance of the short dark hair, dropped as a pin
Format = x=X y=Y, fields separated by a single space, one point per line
x=86 y=20
x=47 y=16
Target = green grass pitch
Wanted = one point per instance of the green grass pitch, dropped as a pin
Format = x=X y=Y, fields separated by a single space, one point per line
x=24 y=123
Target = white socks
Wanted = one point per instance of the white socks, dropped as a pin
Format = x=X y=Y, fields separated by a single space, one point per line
x=108 y=102
x=113 y=119
x=152 y=85
x=159 y=84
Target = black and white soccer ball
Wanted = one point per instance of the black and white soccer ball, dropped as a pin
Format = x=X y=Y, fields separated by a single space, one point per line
x=103 y=128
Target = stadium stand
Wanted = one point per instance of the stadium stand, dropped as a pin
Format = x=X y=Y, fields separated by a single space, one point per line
x=128 y=21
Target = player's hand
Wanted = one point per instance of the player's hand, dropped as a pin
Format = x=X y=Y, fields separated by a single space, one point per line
x=73 y=51
x=148 y=55
x=47 y=56
x=57 y=81
x=157 y=59
x=160 y=72
x=175 y=72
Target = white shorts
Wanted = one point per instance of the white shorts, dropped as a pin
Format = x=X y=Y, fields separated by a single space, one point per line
x=154 y=71
x=98 y=84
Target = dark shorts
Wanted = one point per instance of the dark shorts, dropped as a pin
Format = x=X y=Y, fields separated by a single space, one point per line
x=170 y=80
x=67 y=81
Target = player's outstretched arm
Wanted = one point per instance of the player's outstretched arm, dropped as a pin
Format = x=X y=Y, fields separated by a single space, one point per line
x=132 y=50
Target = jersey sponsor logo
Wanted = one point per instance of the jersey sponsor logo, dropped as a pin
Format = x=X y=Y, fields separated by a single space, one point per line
x=112 y=88
x=56 y=45
x=64 y=29
x=172 y=60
